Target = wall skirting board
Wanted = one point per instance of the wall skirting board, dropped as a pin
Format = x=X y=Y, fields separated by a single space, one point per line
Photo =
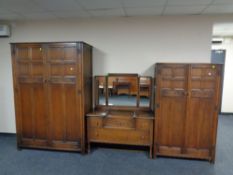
x=226 y=113
x=7 y=134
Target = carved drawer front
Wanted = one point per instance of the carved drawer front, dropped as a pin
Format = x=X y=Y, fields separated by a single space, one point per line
x=143 y=124
x=119 y=122
x=119 y=136
x=95 y=122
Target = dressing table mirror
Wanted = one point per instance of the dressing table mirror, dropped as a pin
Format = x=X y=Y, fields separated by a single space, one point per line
x=122 y=91
x=145 y=91
x=100 y=90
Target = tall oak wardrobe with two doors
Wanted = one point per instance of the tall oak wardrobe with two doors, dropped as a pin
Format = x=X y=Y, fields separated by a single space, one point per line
x=53 y=91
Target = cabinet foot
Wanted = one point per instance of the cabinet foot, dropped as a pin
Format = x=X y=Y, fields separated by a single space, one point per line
x=19 y=148
x=89 y=148
x=151 y=152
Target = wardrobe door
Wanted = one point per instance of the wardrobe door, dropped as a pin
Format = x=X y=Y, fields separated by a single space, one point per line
x=171 y=98
x=30 y=94
x=64 y=76
x=203 y=105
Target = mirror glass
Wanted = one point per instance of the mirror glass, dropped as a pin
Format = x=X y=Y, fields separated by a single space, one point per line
x=122 y=89
x=145 y=85
x=100 y=90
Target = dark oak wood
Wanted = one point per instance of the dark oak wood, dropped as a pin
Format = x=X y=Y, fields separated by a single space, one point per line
x=120 y=127
x=187 y=106
x=53 y=92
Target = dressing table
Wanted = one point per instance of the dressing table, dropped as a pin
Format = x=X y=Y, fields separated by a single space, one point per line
x=123 y=118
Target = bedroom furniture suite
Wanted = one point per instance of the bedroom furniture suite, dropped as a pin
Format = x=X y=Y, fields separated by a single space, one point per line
x=174 y=114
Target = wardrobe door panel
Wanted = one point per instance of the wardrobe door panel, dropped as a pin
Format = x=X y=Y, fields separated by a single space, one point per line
x=22 y=53
x=70 y=52
x=172 y=121
x=55 y=53
x=56 y=70
x=30 y=94
x=62 y=52
x=73 y=123
x=26 y=110
x=40 y=111
x=65 y=125
x=23 y=69
x=200 y=123
x=171 y=97
x=65 y=114
x=56 y=112
x=37 y=69
x=36 y=54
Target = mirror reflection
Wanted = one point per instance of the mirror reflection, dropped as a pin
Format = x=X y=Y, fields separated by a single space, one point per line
x=145 y=84
x=122 y=89
x=101 y=90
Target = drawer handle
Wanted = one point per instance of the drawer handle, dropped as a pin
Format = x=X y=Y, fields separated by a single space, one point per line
x=142 y=137
x=96 y=134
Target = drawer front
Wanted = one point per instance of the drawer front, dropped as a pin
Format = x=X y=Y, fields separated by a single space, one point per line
x=123 y=122
x=119 y=136
x=144 y=124
x=96 y=122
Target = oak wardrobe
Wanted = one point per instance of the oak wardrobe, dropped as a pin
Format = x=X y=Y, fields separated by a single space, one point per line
x=187 y=106
x=53 y=92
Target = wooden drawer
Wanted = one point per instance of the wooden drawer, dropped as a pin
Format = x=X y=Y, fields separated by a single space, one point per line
x=119 y=136
x=144 y=124
x=119 y=122
x=96 y=122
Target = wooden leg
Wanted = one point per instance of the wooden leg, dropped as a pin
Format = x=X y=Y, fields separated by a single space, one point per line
x=212 y=157
x=83 y=151
x=88 y=147
x=154 y=152
x=151 y=152
x=19 y=148
x=212 y=161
